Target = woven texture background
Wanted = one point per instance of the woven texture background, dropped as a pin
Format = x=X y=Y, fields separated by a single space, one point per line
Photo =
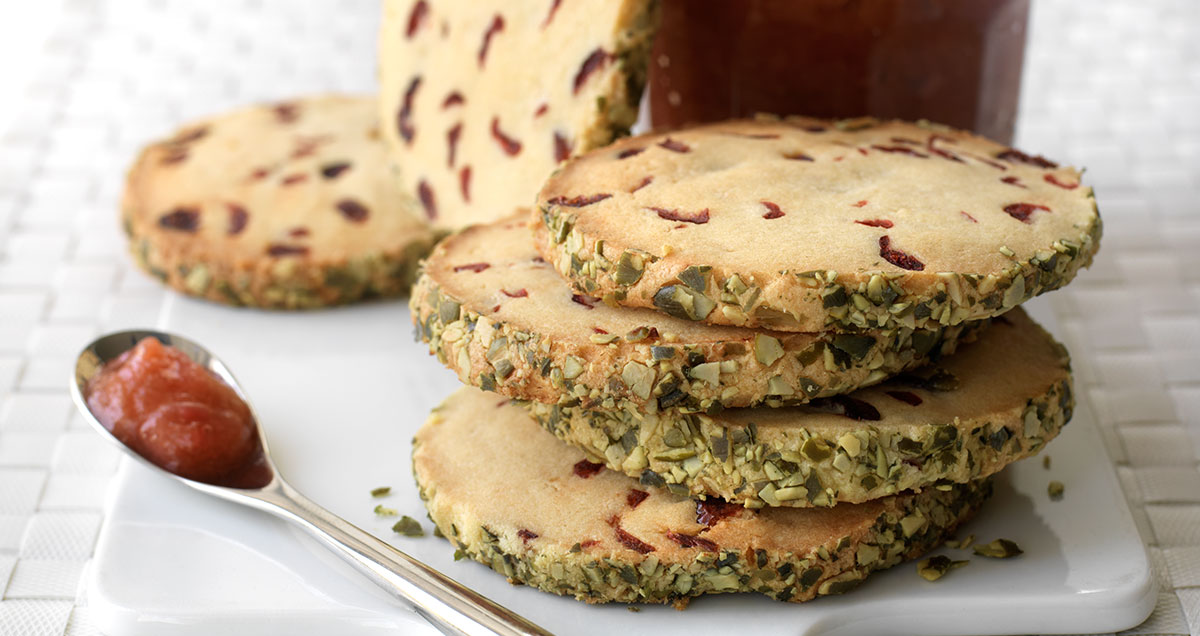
x=1113 y=86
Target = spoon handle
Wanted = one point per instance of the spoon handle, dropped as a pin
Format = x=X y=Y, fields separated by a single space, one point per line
x=449 y=606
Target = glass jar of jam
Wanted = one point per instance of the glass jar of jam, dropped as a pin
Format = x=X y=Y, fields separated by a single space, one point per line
x=955 y=62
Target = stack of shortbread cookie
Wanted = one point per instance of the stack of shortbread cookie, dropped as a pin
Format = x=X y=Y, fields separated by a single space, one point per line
x=781 y=354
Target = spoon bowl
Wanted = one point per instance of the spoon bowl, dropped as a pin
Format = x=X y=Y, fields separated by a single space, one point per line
x=445 y=603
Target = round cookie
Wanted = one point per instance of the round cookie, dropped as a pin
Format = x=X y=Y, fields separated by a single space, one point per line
x=287 y=205
x=492 y=310
x=509 y=495
x=481 y=100
x=995 y=401
x=806 y=225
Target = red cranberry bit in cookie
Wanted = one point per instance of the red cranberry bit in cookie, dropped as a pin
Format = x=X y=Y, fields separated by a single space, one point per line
x=509 y=145
x=464 y=183
x=455 y=98
x=279 y=249
x=674 y=145
x=1023 y=211
x=237 y=219
x=1012 y=155
x=902 y=150
x=592 y=63
x=334 y=170
x=495 y=27
x=859 y=204
x=628 y=540
x=354 y=211
x=553 y=9
x=645 y=182
x=527 y=535
x=520 y=293
x=710 y=511
x=562 y=147
x=293 y=179
x=583 y=468
x=586 y=301
x=452 y=136
x=698 y=218
x=689 y=541
x=286 y=112
x=259 y=174
x=1013 y=180
x=306 y=146
x=1049 y=178
x=847 y=406
x=579 y=201
x=862 y=151
x=907 y=397
x=472 y=267
x=182 y=219
x=898 y=258
x=425 y=193
x=884 y=223
x=630 y=152
x=174 y=156
x=773 y=210
x=635 y=497
x=404 y=123
x=190 y=135
x=416 y=18
x=905 y=140
x=541 y=110
x=944 y=154
x=968 y=216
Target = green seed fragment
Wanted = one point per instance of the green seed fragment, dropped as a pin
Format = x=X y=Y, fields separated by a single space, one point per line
x=935 y=567
x=709 y=372
x=385 y=512
x=381 y=491
x=857 y=346
x=1055 y=490
x=816 y=450
x=572 y=367
x=767 y=349
x=408 y=527
x=683 y=302
x=629 y=269
x=1046 y=462
x=778 y=386
x=998 y=549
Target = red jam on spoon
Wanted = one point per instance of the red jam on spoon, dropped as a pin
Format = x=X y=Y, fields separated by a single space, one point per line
x=179 y=415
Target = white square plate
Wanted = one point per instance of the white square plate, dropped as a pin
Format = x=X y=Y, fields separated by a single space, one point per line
x=340 y=394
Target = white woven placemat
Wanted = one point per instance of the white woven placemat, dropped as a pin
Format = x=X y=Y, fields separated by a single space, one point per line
x=1112 y=85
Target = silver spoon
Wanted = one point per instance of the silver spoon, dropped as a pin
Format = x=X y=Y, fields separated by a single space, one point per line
x=449 y=606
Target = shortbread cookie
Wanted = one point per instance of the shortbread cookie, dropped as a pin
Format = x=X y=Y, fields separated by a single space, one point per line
x=481 y=100
x=495 y=312
x=805 y=224
x=995 y=401
x=287 y=205
x=509 y=495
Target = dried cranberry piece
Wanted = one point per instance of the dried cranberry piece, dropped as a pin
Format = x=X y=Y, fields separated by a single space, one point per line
x=541 y=110
x=562 y=147
x=1049 y=178
x=710 y=511
x=188 y=136
x=455 y=98
x=238 y=218
x=579 y=201
x=259 y=174
x=1012 y=155
x=182 y=219
x=902 y=150
x=416 y=17
x=897 y=257
x=876 y=223
x=520 y=293
x=286 y=112
x=859 y=204
x=298 y=232
x=293 y=179
x=586 y=301
x=306 y=146
x=689 y=541
x=279 y=249
x=674 y=145
x=495 y=27
x=773 y=210
x=1023 y=211
x=698 y=218
x=797 y=156
x=583 y=468
x=645 y=182
x=509 y=145
x=527 y=535
x=589 y=543
x=1013 y=180
x=630 y=152
x=944 y=154
x=862 y=151
x=969 y=217
x=174 y=156
x=628 y=540
x=334 y=170
x=847 y=406
x=452 y=136
x=553 y=9
x=599 y=330
x=354 y=211
x=635 y=497
x=464 y=183
x=404 y=123
x=472 y=267
x=907 y=397
x=905 y=140
x=425 y=193
x=591 y=64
